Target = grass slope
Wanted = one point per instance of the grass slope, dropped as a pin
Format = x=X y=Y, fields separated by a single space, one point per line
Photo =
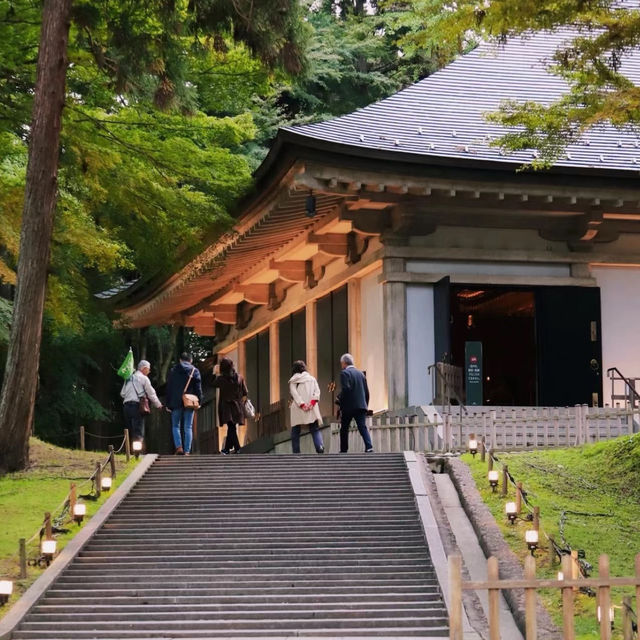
x=598 y=489
x=27 y=495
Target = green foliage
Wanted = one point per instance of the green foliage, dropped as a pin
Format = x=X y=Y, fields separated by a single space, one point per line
x=597 y=486
x=590 y=62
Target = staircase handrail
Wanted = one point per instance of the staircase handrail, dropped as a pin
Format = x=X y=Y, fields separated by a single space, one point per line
x=627 y=381
x=450 y=389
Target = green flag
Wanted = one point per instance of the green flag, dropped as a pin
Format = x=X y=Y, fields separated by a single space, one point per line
x=126 y=368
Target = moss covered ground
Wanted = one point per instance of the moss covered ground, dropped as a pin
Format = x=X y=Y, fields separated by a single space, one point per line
x=27 y=495
x=589 y=499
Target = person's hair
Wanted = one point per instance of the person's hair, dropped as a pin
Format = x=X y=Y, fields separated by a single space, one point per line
x=347 y=358
x=298 y=367
x=143 y=364
x=226 y=366
x=185 y=357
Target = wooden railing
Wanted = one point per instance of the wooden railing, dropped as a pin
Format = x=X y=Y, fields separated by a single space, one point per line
x=507 y=430
x=530 y=583
x=533 y=427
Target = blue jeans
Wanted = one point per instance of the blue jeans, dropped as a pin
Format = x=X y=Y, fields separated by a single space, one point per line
x=315 y=434
x=186 y=417
x=360 y=416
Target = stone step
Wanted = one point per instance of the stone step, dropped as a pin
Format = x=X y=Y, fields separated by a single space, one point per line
x=249 y=601
x=247 y=615
x=100 y=628
x=260 y=538
x=357 y=633
x=276 y=588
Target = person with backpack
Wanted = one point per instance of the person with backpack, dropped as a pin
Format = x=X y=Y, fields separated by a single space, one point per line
x=183 y=379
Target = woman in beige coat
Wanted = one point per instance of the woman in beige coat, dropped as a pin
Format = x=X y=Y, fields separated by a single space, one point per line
x=305 y=394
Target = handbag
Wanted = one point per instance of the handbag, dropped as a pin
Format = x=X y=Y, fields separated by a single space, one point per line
x=249 y=409
x=143 y=402
x=190 y=400
x=144 y=408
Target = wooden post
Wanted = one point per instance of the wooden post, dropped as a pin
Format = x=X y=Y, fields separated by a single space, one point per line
x=490 y=461
x=575 y=567
x=492 y=426
x=627 y=626
x=604 y=598
x=48 y=531
x=483 y=450
x=536 y=518
x=505 y=480
x=567 y=601
x=530 y=599
x=23 y=558
x=578 y=423
x=112 y=461
x=72 y=498
x=81 y=438
x=494 y=599
x=127 y=445
x=518 y=497
x=98 y=479
x=455 y=595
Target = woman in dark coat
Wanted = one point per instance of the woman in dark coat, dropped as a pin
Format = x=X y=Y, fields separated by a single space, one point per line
x=233 y=394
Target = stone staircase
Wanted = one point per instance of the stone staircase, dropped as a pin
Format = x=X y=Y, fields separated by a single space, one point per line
x=253 y=546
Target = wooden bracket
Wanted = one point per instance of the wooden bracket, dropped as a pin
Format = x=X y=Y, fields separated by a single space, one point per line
x=357 y=245
x=331 y=244
x=254 y=293
x=277 y=294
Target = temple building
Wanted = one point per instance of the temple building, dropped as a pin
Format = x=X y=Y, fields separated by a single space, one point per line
x=401 y=234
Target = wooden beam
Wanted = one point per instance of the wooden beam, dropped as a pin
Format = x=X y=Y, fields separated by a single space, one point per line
x=332 y=244
x=254 y=293
x=225 y=313
x=290 y=270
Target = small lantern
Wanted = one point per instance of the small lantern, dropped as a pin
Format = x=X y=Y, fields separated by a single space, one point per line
x=511 y=511
x=48 y=549
x=105 y=483
x=611 y=613
x=79 y=511
x=493 y=476
x=531 y=538
x=6 y=589
x=560 y=575
x=136 y=447
x=473 y=447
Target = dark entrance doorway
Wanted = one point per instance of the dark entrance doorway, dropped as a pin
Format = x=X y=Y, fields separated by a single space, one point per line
x=503 y=320
x=541 y=345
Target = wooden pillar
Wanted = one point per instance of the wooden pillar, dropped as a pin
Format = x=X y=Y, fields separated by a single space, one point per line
x=455 y=590
x=274 y=362
x=311 y=327
x=241 y=365
x=394 y=297
x=355 y=320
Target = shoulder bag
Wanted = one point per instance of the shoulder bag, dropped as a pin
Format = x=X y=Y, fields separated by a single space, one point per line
x=190 y=400
x=249 y=409
x=143 y=407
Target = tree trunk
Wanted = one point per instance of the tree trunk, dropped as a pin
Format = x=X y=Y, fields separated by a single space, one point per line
x=21 y=375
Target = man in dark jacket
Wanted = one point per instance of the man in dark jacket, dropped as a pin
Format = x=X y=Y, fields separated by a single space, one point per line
x=353 y=400
x=183 y=378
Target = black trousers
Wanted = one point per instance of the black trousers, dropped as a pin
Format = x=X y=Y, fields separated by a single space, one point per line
x=360 y=416
x=133 y=420
x=232 y=441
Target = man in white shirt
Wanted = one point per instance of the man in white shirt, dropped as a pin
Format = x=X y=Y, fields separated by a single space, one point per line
x=136 y=387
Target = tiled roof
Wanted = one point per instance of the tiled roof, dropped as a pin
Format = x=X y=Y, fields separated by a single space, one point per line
x=443 y=116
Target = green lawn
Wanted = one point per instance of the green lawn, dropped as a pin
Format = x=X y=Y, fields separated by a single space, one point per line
x=26 y=496
x=598 y=488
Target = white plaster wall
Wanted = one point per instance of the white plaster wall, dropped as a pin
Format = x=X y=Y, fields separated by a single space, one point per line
x=372 y=340
x=420 y=343
x=620 y=303
x=489 y=268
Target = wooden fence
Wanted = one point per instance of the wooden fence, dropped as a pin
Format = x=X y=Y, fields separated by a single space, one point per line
x=506 y=430
x=530 y=583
